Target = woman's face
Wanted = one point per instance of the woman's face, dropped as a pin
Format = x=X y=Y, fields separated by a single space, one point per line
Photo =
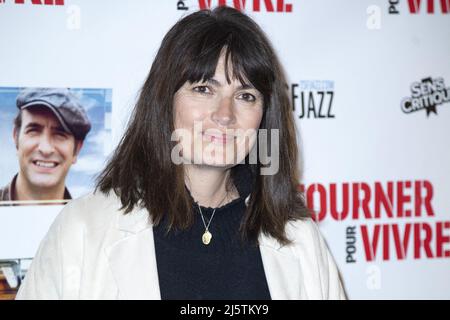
x=216 y=122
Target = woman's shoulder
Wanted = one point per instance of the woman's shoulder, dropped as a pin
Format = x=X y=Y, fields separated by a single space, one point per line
x=301 y=230
x=308 y=253
x=81 y=231
x=305 y=239
x=306 y=236
x=92 y=210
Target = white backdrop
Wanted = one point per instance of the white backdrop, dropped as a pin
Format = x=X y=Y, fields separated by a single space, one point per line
x=354 y=54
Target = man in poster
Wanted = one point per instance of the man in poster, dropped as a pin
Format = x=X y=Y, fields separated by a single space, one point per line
x=49 y=131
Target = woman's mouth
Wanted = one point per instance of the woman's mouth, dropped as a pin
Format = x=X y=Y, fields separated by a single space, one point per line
x=221 y=139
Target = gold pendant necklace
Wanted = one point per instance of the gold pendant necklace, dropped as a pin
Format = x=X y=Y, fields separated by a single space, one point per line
x=207 y=236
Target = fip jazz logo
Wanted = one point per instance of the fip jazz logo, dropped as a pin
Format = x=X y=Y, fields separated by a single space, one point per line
x=313 y=99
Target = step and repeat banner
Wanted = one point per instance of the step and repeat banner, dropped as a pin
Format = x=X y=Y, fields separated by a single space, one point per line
x=370 y=88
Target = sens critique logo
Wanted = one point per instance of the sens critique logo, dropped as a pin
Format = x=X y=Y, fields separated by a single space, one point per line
x=254 y=5
x=426 y=94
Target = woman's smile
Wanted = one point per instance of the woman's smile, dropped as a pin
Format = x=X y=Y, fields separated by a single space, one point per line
x=218 y=138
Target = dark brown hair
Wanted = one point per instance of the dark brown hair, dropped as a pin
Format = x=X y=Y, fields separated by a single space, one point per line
x=141 y=172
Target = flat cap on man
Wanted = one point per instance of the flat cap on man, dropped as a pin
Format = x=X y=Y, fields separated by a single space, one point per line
x=63 y=103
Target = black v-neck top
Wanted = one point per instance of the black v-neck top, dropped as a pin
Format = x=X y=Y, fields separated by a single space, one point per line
x=227 y=268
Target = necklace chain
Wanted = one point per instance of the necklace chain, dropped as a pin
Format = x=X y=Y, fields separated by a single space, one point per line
x=206 y=238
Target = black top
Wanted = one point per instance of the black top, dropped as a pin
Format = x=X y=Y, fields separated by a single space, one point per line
x=227 y=268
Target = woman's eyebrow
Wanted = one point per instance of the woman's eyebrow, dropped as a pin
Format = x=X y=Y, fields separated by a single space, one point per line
x=217 y=83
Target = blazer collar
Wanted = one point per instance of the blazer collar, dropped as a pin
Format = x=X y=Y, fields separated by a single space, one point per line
x=132 y=260
x=282 y=269
x=135 y=221
x=132 y=257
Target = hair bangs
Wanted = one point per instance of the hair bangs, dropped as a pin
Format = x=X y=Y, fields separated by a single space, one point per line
x=250 y=65
x=190 y=51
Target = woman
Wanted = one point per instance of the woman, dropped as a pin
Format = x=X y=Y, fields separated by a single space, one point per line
x=186 y=209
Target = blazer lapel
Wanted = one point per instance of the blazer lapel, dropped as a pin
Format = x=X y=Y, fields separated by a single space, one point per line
x=132 y=261
x=282 y=269
x=132 y=258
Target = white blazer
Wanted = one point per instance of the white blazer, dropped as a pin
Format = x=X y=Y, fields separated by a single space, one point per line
x=94 y=251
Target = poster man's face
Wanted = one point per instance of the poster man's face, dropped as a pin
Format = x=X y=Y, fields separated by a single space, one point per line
x=44 y=149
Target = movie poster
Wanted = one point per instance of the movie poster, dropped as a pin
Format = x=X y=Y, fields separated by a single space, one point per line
x=54 y=143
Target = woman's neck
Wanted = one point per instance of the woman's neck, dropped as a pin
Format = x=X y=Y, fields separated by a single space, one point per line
x=208 y=185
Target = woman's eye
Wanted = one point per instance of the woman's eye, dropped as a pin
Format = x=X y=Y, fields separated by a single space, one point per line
x=247 y=97
x=202 y=89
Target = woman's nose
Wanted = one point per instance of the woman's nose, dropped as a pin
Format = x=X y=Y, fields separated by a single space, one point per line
x=224 y=114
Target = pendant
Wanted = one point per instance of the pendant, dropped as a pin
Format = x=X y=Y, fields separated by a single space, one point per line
x=206 y=238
